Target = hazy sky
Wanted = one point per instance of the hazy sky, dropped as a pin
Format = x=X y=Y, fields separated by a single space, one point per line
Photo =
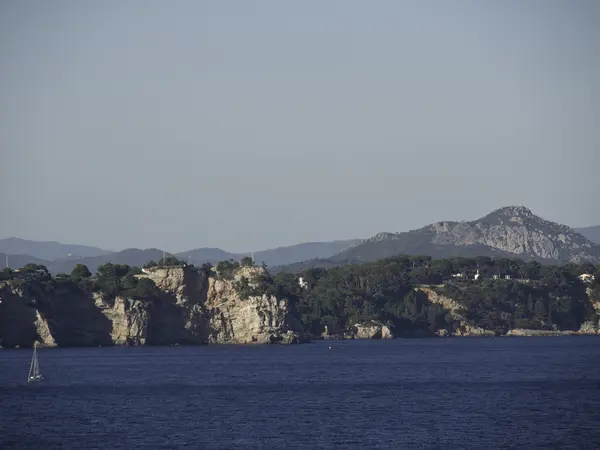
x=250 y=124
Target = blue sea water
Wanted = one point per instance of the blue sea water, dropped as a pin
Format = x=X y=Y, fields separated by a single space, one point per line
x=468 y=393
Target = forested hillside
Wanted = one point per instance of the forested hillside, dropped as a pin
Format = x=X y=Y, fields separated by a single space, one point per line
x=522 y=295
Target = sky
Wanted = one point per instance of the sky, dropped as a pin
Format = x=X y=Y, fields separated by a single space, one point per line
x=247 y=125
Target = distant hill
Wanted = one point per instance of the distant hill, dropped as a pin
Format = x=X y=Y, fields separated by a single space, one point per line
x=510 y=232
x=272 y=257
x=591 y=233
x=48 y=251
x=200 y=256
x=136 y=257
x=18 y=261
x=130 y=256
x=302 y=252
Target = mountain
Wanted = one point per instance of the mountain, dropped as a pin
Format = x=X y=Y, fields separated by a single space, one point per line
x=18 y=261
x=271 y=257
x=48 y=250
x=591 y=233
x=302 y=252
x=200 y=256
x=61 y=258
x=509 y=232
x=130 y=256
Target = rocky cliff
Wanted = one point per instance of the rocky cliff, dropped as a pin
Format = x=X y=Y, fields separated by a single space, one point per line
x=516 y=230
x=191 y=307
x=462 y=326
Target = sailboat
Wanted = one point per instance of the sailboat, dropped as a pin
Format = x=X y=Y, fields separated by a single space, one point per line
x=34 y=369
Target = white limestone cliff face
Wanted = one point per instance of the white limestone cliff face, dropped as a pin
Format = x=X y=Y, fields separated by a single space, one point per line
x=256 y=318
x=43 y=331
x=193 y=308
x=517 y=230
x=129 y=320
x=463 y=326
x=185 y=292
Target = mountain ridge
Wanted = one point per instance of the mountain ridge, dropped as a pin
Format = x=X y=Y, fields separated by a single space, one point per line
x=507 y=232
x=592 y=233
x=48 y=250
x=138 y=257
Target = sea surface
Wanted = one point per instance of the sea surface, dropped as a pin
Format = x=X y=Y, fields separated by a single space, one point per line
x=467 y=393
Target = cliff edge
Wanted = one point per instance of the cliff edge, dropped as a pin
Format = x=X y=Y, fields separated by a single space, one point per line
x=185 y=305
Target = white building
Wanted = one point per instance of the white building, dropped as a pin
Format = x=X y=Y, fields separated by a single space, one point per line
x=586 y=277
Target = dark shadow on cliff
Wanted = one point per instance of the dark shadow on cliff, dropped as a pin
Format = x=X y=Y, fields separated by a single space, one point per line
x=17 y=320
x=73 y=317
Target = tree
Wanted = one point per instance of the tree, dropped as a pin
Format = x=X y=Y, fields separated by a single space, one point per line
x=34 y=268
x=136 y=270
x=540 y=313
x=121 y=270
x=108 y=281
x=80 y=272
x=128 y=282
x=145 y=289
x=227 y=269
x=586 y=268
x=246 y=261
x=169 y=261
x=6 y=273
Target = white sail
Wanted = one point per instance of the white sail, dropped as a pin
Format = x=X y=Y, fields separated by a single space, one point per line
x=34 y=368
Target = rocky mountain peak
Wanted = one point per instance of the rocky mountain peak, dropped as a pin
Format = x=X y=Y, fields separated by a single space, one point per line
x=517 y=230
x=509 y=214
x=512 y=211
x=511 y=230
x=383 y=236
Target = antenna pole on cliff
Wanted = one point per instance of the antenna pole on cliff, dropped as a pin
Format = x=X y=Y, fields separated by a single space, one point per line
x=6 y=260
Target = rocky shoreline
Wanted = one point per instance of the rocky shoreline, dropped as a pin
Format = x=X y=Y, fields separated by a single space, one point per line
x=190 y=308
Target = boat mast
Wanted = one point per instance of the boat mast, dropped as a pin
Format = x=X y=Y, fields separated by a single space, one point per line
x=31 y=367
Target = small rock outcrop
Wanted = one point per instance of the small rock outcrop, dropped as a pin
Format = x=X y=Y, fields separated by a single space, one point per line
x=43 y=331
x=372 y=330
x=462 y=326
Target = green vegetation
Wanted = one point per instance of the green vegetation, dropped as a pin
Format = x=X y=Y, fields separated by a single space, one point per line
x=167 y=261
x=535 y=296
x=80 y=272
x=227 y=269
x=508 y=294
x=111 y=280
x=120 y=280
x=246 y=261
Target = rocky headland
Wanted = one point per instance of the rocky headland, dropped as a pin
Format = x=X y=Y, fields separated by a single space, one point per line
x=189 y=306
x=171 y=303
